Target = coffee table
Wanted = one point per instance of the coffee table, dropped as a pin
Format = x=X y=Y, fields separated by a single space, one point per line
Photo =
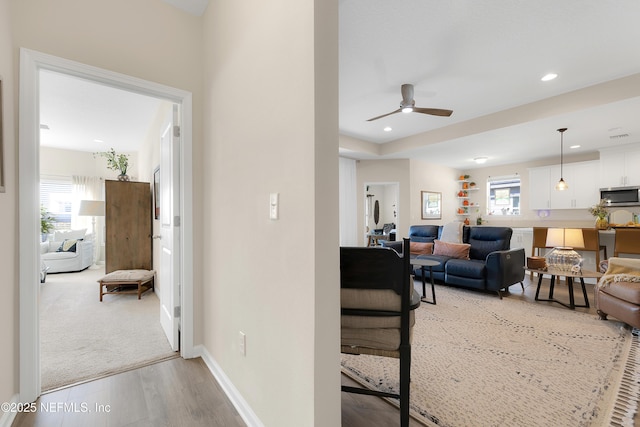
x=570 y=279
x=423 y=263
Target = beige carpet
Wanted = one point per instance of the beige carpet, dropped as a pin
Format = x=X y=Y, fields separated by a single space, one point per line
x=82 y=338
x=481 y=361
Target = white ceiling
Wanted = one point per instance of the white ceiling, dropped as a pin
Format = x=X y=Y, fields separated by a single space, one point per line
x=80 y=113
x=483 y=59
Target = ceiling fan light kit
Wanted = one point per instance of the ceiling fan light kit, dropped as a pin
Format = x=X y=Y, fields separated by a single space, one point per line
x=407 y=105
x=561 y=185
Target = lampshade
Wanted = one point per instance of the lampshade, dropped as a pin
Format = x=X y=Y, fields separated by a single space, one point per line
x=91 y=208
x=563 y=240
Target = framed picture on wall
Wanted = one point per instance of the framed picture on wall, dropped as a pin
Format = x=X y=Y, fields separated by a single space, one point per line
x=156 y=193
x=431 y=203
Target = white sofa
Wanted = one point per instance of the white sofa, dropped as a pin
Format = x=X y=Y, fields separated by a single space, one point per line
x=60 y=254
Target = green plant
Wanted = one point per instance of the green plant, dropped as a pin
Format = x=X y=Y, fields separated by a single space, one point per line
x=47 y=221
x=115 y=162
x=599 y=210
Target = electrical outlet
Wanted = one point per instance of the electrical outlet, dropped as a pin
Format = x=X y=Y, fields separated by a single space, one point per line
x=243 y=344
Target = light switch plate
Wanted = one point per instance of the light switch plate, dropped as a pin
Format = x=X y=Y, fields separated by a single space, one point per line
x=273 y=205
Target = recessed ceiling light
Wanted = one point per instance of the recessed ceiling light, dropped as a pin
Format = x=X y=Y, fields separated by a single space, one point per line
x=387 y=129
x=99 y=141
x=549 y=77
x=575 y=146
x=480 y=160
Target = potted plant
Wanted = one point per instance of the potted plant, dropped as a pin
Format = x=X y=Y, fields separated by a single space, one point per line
x=600 y=212
x=116 y=162
x=47 y=222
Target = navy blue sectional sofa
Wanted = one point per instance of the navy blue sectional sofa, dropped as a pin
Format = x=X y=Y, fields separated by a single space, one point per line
x=492 y=266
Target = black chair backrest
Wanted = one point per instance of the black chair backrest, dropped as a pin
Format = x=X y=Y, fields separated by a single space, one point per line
x=373 y=268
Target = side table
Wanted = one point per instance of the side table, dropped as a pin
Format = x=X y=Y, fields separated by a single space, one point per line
x=570 y=279
x=423 y=263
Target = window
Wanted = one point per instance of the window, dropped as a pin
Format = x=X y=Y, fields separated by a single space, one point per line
x=503 y=195
x=56 y=196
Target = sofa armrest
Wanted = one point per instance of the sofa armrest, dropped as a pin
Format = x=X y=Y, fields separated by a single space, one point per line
x=44 y=247
x=504 y=268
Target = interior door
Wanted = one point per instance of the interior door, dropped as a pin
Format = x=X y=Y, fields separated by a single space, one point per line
x=169 y=268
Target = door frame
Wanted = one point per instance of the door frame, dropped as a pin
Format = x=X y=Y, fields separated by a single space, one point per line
x=31 y=62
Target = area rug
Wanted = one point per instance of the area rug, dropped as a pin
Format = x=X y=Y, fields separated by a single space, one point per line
x=481 y=361
x=82 y=338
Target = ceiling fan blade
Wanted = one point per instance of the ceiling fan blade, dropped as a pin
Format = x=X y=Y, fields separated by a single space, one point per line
x=385 y=115
x=433 y=111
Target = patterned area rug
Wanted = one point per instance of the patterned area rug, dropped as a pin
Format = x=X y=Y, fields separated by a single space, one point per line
x=481 y=361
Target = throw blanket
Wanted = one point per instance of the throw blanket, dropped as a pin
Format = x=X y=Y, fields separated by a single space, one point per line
x=621 y=270
x=452 y=232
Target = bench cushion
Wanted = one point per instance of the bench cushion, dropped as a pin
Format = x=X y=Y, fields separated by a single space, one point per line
x=128 y=276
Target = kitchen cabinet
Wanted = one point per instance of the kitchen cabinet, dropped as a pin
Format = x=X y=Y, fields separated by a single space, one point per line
x=539 y=188
x=581 y=177
x=619 y=166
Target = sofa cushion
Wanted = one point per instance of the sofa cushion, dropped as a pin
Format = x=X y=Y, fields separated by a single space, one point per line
x=420 y=248
x=69 y=234
x=68 y=245
x=453 y=250
x=626 y=291
x=485 y=240
x=466 y=268
x=423 y=233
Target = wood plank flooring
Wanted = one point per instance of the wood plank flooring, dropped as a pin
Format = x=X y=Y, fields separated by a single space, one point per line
x=176 y=392
x=183 y=393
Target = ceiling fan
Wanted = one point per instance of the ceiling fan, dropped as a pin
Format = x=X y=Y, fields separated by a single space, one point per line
x=407 y=105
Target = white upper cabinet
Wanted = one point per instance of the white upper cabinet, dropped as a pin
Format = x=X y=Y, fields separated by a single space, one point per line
x=581 y=177
x=539 y=188
x=619 y=167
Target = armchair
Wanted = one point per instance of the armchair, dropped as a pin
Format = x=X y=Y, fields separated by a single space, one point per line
x=618 y=291
x=68 y=252
x=377 y=300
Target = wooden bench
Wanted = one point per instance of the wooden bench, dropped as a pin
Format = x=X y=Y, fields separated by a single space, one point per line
x=121 y=282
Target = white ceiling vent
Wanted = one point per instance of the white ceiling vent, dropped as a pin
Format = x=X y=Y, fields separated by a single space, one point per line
x=619 y=136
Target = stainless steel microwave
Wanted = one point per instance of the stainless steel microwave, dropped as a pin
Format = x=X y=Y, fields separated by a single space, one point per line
x=621 y=196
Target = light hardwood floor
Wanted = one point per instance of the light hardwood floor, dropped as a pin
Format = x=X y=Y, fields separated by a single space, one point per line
x=183 y=393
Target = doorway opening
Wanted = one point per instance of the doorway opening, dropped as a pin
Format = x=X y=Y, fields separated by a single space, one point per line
x=380 y=211
x=31 y=63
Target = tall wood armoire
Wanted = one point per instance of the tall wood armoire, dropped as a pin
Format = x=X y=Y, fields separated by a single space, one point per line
x=127 y=226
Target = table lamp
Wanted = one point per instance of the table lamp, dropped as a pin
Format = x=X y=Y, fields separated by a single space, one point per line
x=563 y=240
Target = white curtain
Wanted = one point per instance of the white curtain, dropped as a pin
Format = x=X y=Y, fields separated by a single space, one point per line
x=348 y=203
x=86 y=188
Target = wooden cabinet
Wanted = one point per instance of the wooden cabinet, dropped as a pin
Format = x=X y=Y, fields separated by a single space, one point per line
x=581 y=177
x=619 y=167
x=127 y=225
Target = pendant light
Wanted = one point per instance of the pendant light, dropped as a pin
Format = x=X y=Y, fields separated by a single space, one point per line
x=561 y=185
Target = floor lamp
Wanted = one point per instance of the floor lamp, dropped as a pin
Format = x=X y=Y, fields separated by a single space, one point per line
x=92 y=208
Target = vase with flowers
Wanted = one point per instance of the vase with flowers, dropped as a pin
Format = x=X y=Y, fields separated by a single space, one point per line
x=600 y=212
x=116 y=162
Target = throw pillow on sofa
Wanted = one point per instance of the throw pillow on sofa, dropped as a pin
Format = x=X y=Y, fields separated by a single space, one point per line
x=420 y=248
x=68 y=245
x=453 y=250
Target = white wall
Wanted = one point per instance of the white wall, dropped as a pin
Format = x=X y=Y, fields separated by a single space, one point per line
x=148 y=39
x=9 y=335
x=434 y=177
x=275 y=280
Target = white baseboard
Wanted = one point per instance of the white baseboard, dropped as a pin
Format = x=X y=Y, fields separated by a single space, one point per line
x=241 y=405
x=7 y=417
